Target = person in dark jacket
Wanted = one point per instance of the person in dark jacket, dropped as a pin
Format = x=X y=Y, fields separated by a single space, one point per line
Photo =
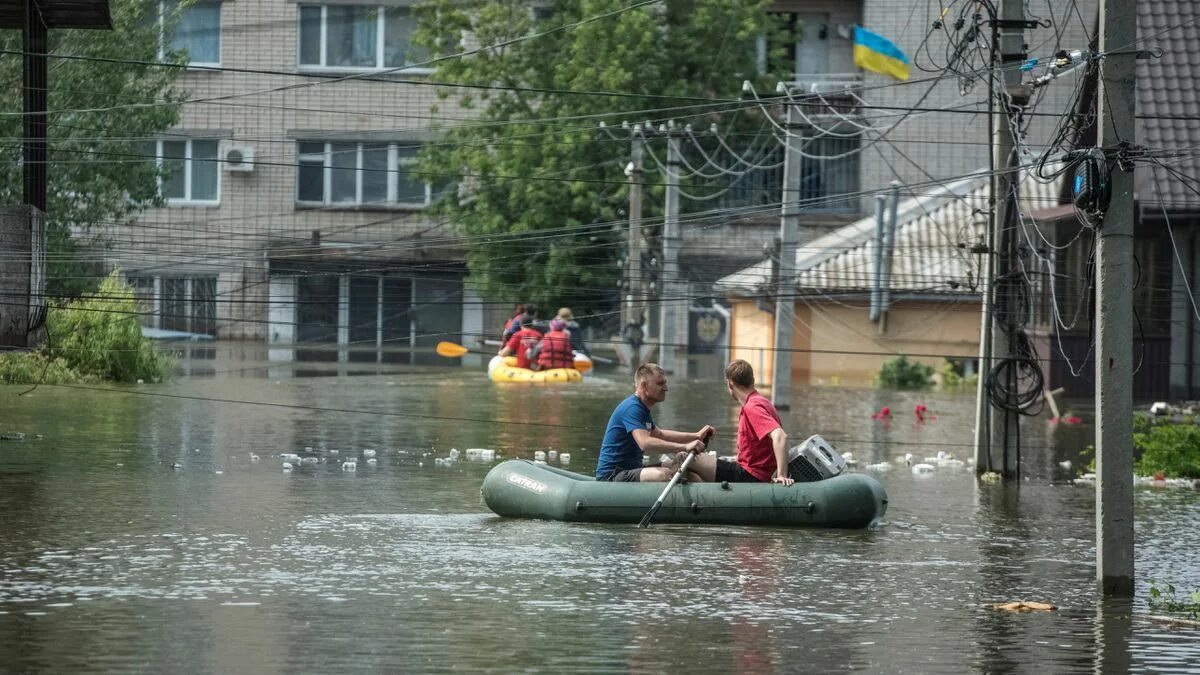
x=574 y=330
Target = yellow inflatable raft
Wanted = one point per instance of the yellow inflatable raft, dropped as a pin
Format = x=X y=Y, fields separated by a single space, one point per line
x=504 y=369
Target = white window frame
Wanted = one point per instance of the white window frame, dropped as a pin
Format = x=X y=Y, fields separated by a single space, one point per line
x=187 y=200
x=162 y=34
x=394 y=167
x=380 y=46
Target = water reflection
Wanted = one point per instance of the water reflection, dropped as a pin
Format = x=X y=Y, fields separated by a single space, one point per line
x=112 y=558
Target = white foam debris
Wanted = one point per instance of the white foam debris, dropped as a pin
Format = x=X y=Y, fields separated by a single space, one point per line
x=349 y=466
x=850 y=460
x=480 y=454
x=372 y=462
x=309 y=461
x=881 y=466
x=290 y=457
x=922 y=468
x=254 y=457
x=287 y=466
x=454 y=453
x=369 y=453
x=1066 y=464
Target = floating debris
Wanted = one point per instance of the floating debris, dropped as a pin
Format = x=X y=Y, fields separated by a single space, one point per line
x=290 y=457
x=369 y=453
x=12 y=436
x=349 y=466
x=287 y=467
x=1024 y=606
x=922 y=468
x=881 y=466
x=372 y=462
x=309 y=461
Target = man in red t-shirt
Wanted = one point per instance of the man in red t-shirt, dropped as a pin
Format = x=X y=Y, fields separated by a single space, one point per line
x=522 y=341
x=761 y=441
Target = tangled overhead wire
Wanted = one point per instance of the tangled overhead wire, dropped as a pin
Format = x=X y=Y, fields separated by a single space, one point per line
x=1016 y=382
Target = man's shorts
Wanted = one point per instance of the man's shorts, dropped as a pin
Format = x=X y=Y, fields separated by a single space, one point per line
x=732 y=472
x=627 y=475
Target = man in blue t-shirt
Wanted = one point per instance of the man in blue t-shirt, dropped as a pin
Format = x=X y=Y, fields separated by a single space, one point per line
x=631 y=432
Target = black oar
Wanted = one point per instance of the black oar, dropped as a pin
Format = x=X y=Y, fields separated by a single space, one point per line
x=658 y=504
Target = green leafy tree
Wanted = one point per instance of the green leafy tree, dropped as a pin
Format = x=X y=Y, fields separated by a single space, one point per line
x=101 y=106
x=900 y=373
x=534 y=159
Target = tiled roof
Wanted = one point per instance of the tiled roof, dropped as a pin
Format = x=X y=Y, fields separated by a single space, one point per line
x=926 y=258
x=1169 y=87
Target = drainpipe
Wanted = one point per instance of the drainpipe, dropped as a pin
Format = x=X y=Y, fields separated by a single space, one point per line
x=885 y=291
x=875 y=280
x=1191 y=333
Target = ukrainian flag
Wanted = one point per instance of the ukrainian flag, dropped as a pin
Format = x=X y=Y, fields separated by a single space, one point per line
x=877 y=54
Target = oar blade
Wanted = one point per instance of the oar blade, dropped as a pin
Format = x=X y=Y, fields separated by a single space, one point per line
x=583 y=366
x=451 y=350
x=645 y=522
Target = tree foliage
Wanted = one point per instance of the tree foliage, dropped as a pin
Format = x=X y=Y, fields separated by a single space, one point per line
x=900 y=373
x=96 y=338
x=534 y=160
x=99 y=113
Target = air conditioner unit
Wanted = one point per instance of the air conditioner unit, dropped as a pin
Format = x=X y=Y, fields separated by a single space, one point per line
x=237 y=157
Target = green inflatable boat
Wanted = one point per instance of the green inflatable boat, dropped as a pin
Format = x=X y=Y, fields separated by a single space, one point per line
x=520 y=488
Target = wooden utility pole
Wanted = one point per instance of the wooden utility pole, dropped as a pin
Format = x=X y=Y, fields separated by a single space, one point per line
x=997 y=431
x=785 y=292
x=1114 y=306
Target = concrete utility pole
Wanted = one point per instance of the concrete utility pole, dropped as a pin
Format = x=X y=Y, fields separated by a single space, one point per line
x=998 y=429
x=635 y=298
x=1114 y=308
x=785 y=293
x=34 y=40
x=673 y=352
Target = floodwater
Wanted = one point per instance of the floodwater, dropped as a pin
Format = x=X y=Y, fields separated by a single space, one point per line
x=138 y=534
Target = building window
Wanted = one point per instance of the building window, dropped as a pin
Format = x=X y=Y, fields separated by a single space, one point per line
x=358 y=37
x=196 y=30
x=797 y=44
x=829 y=178
x=191 y=171
x=187 y=304
x=349 y=173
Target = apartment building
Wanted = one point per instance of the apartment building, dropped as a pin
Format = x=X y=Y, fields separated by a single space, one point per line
x=293 y=214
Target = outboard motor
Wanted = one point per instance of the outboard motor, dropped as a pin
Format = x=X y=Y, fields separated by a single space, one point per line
x=813 y=460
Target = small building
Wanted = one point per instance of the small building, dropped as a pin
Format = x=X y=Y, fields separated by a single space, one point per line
x=855 y=310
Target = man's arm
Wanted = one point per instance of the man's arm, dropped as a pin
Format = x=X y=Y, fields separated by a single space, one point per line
x=655 y=441
x=779 y=443
x=684 y=436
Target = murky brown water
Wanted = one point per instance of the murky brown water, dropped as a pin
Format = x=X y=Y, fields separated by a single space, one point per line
x=112 y=559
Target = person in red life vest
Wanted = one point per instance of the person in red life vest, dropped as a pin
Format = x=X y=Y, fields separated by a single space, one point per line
x=761 y=440
x=525 y=339
x=554 y=351
x=512 y=325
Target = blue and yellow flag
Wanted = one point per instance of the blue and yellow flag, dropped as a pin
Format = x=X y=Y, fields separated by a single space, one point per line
x=877 y=54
